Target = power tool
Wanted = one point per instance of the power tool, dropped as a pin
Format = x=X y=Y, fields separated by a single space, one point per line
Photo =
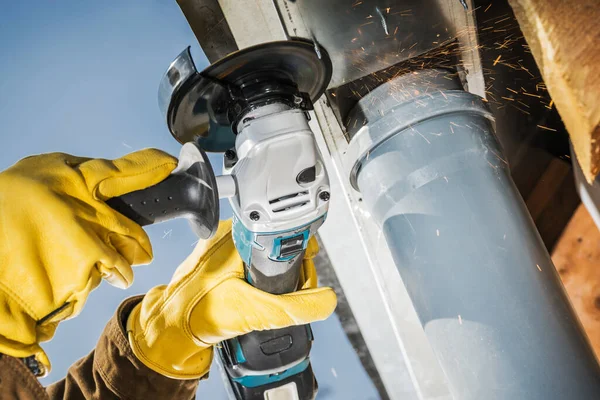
x=253 y=107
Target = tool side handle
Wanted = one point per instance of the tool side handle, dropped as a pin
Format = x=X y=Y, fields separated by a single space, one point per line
x=190 y=194
x=172 y=198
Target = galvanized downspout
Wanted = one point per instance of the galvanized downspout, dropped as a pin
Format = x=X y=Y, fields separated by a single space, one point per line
x=432 y=175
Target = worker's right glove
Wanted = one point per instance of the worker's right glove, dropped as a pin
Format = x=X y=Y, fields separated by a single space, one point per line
x=174 y=328
x=58 y=239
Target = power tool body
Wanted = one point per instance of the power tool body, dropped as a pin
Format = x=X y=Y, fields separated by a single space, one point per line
x=253 y=106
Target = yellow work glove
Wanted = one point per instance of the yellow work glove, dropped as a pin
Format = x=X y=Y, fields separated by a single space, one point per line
x=58 y=239
x=174 y=328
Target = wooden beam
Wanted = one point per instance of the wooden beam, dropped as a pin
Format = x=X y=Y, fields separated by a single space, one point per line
x=577 y=259
x=564 y=37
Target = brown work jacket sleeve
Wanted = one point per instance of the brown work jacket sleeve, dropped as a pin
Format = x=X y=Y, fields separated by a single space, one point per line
x=110 y=371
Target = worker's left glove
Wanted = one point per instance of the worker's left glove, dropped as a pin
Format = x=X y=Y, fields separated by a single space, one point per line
x=174 y=328
x=58 y=239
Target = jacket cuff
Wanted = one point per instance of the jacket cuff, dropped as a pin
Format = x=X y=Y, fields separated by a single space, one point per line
x=124 y=373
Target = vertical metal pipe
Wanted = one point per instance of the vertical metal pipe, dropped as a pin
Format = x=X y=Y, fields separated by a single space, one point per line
x=432 y=175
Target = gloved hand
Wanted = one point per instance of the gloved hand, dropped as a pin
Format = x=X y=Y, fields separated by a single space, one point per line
x=174 y=328
x=58 y=239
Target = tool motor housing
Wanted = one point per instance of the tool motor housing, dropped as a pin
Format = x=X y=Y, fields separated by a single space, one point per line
x=282 y=193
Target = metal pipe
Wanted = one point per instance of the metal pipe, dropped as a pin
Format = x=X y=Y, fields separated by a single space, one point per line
x=432 y=175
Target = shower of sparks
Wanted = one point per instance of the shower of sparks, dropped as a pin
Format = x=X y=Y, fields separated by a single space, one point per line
x=499 y=35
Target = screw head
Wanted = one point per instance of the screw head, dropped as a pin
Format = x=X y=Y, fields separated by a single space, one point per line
x=254 y=216
x=230 y=154
x=324 y=196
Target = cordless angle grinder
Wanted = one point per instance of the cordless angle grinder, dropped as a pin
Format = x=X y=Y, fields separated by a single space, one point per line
x=253 y=107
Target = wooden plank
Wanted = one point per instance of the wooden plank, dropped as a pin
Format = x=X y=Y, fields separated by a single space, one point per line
x=563 y=37
x=553 y=201
x=577 y=259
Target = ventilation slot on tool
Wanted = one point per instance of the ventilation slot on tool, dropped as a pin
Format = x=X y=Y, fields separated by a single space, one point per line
x=290 y=201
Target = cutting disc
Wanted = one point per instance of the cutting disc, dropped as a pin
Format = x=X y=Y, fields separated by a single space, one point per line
x=294 y=60
x=198 y=109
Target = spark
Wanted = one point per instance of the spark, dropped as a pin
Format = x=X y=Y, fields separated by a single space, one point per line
x=459 y=319
x=497 y=59
x=531 y=94
x=333 y=372
x=546 y=128
x=538 y=267
x=520 y=109
x=487 y=8
x=383 y=21
x=514 y=91
x=526 y=70
x=316 y=46
x=437 y=232
x=499 y=157
x=420 y=134
x=551 y=103
x=126 y=145
x=167 y=233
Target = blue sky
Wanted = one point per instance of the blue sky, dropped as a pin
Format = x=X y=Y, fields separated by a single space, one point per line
x=81 y=77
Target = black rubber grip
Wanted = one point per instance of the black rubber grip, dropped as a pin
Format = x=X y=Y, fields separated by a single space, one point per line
x=172 y=198
x=191 y=194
